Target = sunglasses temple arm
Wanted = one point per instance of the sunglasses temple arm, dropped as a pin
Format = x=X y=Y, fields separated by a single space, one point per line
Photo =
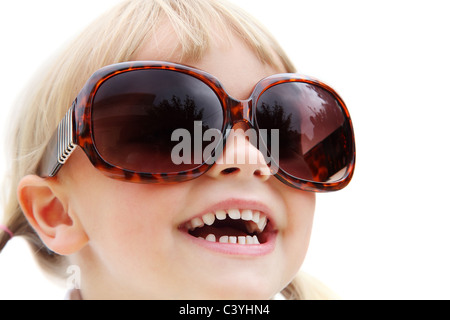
x=59 y=148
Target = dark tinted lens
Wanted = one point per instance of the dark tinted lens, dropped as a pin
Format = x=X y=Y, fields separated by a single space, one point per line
x=315 y=139
x=136 y=113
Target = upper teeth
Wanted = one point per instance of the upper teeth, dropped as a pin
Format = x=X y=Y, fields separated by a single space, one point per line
x=259 y=219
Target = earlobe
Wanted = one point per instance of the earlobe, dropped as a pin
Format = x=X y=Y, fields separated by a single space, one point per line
x=48 y=212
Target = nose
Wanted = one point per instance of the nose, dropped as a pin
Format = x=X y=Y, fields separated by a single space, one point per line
x=240 y=157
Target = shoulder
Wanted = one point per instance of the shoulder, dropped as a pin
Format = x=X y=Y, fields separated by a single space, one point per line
x=73 y=294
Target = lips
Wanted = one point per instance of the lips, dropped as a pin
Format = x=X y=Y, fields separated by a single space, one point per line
x=234 y=226
x=242 y=226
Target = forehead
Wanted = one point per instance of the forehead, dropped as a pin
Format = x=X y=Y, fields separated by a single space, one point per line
x=225 y=56
x=162 y=45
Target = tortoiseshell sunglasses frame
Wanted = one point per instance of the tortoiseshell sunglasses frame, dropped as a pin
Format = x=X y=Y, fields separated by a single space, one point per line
x=75 y=129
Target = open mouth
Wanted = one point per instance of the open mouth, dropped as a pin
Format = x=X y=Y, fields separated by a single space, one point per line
x=235 y=226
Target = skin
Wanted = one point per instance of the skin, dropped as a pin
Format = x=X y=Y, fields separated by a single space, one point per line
x=126 y=237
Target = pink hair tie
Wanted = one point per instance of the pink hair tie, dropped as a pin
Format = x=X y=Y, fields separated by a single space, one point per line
x=6 y=229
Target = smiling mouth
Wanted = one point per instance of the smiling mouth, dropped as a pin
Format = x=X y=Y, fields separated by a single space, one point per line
x=231 y=226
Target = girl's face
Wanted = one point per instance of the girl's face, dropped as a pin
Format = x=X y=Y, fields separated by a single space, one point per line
x=139 y=243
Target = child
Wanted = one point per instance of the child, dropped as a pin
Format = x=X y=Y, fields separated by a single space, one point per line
x=104 y=193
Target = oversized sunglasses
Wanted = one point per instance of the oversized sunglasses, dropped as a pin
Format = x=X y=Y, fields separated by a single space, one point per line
x=125 y=116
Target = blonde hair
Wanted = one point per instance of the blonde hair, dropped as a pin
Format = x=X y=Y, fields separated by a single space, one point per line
x=115 y=37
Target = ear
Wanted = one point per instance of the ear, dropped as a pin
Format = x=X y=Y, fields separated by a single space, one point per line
x=46 y=208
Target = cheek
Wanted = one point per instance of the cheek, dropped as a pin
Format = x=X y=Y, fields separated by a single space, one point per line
x=296 y=235
x=111 y=209
x=113 y=217
x=301 y=214
x=131 y=236
x=127 y=224
x=129 y=216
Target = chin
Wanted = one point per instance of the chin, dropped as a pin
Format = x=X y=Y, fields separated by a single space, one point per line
x=238 y=288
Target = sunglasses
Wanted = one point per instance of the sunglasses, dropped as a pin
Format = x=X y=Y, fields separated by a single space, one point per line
x=125 y=116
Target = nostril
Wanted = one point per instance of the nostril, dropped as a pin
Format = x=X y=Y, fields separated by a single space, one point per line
x=229 y=171
x=258 y=173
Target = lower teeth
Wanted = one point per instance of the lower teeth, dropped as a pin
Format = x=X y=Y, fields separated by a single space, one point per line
x=233 y=239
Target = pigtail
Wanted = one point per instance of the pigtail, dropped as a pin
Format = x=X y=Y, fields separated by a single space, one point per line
x=306 y=287
x=4 y=238
x=18 y=226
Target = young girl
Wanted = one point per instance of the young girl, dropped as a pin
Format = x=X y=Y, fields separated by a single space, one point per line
x=103 y=192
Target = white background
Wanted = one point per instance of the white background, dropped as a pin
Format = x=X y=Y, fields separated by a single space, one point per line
x=387 y=235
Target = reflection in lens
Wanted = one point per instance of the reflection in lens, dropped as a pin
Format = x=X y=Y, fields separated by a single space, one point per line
x=135 y=113
x=315 y=136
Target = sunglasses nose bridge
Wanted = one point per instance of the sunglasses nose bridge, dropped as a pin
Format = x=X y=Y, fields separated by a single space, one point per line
x=240 y=111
